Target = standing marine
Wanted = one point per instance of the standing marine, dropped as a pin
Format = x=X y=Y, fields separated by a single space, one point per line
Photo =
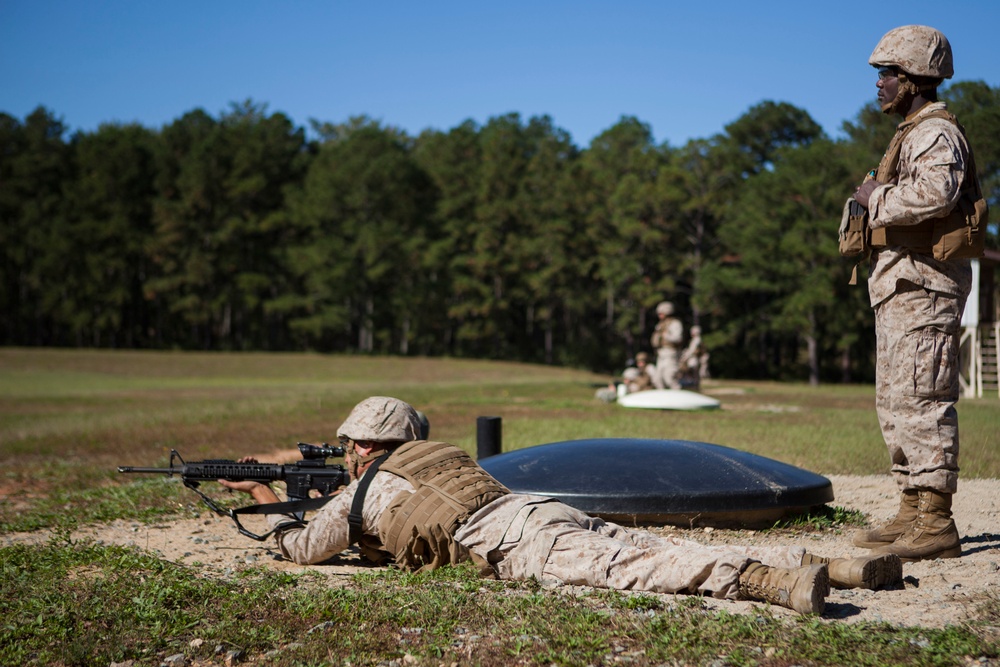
x=667 y=339
x=926 y=217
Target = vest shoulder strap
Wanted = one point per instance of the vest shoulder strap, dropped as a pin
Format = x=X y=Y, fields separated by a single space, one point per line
x=888 y=168
x=354 y=519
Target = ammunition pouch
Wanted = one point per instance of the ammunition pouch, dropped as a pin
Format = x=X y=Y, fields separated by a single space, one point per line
x=855 y=235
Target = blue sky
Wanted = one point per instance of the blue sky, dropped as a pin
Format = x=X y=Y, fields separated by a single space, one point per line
x=686 y=69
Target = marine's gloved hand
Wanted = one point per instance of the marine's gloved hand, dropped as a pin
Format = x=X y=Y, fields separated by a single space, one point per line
x=865 y=190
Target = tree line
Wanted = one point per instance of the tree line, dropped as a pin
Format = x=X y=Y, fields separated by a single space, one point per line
x=502 y=240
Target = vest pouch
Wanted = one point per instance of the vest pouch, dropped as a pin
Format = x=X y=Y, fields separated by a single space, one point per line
x=962 y=233
x=854 y=234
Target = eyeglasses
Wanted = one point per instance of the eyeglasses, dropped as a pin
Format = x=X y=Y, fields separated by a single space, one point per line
x=886 y=73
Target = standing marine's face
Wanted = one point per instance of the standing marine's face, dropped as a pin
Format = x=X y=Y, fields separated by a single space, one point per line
x=888 y=86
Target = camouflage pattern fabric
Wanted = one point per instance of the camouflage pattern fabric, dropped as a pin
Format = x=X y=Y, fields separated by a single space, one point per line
x=916 y=385
x=666 y=340
x=521 y=536
x=931 y=170
x=918 y=304
x=556 y=543
x=327 y=533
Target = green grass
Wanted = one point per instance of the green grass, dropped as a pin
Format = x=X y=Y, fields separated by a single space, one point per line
x=84 y=604
x=69 y=418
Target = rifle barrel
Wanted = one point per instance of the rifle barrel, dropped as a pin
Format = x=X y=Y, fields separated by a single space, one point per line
x=168 y=471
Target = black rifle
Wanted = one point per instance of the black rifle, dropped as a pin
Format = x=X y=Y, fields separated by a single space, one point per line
x=311 y=473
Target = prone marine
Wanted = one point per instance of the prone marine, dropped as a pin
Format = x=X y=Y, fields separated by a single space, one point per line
x=426 y=504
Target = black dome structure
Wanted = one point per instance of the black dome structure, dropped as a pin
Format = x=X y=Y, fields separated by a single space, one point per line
x=677 y=482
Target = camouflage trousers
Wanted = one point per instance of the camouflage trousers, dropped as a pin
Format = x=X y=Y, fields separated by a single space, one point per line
x=666 y=373
x=557 y=543
x=916 y=385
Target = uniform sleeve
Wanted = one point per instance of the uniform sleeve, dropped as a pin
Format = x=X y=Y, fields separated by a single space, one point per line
x=327 y=533
x=931 y=170
x=675 y=333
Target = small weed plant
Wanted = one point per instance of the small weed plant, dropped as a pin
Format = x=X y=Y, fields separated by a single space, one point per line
x=67 y=419
x=80 y=603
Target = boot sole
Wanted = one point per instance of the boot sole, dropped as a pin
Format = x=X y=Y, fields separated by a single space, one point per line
x=882 y=571
x=954 y=552
x=810 y=591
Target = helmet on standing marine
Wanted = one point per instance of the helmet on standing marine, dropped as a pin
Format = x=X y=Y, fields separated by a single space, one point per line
x=916 y=51
x=382 y=419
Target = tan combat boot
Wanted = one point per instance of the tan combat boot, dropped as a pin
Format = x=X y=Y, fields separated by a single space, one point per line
x=803 y=589
x=932 y=535
x=879 y=536
x=869 y=572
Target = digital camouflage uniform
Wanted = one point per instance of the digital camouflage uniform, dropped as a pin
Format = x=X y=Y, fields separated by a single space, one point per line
x=637 y=379
x=521 y=536
x=668 y=335
x=646 y=371
x=428 y=504
x=926 y=216
x=918 y=304
x=691 y=359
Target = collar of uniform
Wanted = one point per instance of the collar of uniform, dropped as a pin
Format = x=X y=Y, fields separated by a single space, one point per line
x=927 y=108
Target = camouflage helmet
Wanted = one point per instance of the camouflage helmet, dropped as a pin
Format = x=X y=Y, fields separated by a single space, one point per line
x=916 y=50
x=665 y=308
x=382 y=419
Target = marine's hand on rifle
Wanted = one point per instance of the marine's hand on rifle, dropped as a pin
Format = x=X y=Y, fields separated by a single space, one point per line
x=262 y=493
x=246 y=486
x=302 y=479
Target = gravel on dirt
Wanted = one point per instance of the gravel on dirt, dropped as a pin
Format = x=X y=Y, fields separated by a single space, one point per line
x=933 y=594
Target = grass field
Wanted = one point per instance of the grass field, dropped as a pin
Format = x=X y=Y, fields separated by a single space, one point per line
x=69 y=417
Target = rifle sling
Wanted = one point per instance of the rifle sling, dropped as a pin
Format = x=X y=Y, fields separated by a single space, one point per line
x=294 y=507
x=354 y=518
x=289 y=507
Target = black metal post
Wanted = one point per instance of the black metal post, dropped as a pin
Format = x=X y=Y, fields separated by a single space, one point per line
x=489 y=436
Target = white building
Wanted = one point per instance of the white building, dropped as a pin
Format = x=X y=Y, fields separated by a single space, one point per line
x=980 y=345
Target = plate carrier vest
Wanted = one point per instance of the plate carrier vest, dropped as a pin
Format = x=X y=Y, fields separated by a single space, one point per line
x=418 y=528
x=961 y=233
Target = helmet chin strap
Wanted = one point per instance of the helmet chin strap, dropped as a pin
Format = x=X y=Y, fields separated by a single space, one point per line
x=905 y=92
x=358 y=463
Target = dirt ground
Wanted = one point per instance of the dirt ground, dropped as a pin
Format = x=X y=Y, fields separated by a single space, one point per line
x=933 y=594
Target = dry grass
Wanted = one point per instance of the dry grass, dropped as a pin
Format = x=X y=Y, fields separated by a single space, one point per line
x=69 y=417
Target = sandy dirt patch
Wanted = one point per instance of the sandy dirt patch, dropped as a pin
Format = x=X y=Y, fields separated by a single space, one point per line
x=933 y=594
